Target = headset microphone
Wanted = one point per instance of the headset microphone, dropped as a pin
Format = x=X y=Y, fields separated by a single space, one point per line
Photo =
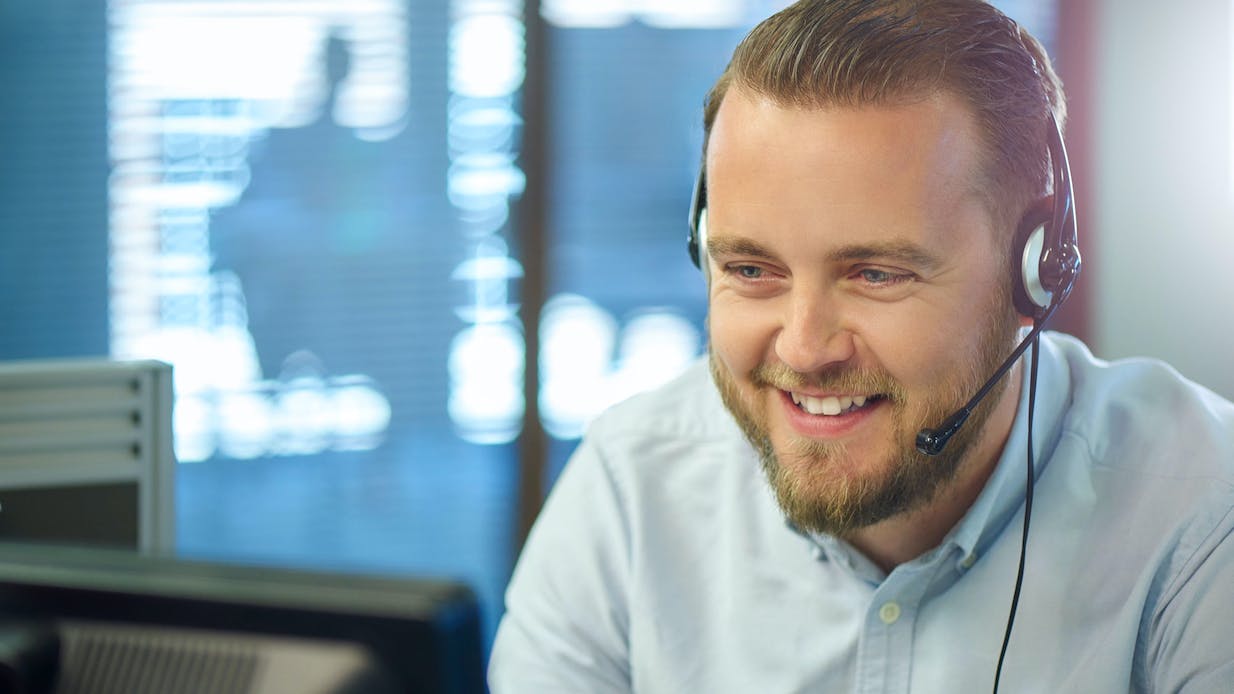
x=932 y=441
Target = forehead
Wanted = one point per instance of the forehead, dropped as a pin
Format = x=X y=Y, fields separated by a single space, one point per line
x=904 y=169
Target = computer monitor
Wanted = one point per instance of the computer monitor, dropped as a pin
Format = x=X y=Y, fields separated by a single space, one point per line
x=86 y=453
x=101 y=620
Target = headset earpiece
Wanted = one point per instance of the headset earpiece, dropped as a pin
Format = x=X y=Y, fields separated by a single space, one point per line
x=1046 y=254
x=696 y=243
x=1031 y=296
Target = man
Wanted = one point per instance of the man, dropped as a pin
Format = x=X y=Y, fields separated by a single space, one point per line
x=766 y=523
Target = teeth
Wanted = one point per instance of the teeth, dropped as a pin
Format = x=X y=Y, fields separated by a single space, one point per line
x=830 y=406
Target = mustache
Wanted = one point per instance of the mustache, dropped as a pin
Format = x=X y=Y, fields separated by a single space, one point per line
x=839 y=378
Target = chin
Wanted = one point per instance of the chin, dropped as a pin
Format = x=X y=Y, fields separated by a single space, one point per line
x=839 y=486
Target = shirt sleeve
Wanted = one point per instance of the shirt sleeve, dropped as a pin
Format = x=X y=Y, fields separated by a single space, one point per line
x=566 y=621
x=1192 y=642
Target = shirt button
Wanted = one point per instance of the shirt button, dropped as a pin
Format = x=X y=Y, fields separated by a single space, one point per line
x=889 y=612
x=968 y=561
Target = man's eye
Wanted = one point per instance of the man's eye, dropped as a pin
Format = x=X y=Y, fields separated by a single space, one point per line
x=749 y=272
x=882 y=277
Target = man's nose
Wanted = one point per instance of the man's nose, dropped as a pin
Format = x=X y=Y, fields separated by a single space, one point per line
x=813 y=333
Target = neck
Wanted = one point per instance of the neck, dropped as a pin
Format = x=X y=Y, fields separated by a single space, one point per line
x=905 y=537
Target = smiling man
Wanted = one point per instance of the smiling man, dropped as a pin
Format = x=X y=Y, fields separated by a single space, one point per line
x=840 y=240
x=837 y=498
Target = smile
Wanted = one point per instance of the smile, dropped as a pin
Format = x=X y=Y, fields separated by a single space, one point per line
x=832 y=405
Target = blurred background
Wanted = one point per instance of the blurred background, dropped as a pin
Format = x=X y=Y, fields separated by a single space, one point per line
x=400 y=252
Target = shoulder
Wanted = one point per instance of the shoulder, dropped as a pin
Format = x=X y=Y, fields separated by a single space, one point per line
x=1143 y=414
x=1157 y=466
x=1148 y=453
x=1141 y=498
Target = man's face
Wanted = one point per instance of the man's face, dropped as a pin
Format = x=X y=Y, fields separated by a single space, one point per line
x=858 y=294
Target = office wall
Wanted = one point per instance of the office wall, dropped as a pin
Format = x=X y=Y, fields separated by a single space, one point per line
x=1162 y=250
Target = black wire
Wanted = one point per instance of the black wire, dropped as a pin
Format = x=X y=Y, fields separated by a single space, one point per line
x=1028 y=512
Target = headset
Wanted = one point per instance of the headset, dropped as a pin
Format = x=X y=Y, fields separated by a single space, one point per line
x=1045 y=255
x=1045 y=259
x=1045 y=249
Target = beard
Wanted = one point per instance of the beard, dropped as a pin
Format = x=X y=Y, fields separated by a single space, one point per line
x=814 y=481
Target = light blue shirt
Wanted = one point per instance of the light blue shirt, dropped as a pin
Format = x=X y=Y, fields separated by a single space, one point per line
x=661 y=562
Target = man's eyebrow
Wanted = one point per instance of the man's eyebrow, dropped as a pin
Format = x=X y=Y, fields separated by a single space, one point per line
x=898 y=251
x=736 y=245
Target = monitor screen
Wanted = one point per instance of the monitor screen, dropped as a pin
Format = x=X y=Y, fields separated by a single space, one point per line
x=98 y=620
